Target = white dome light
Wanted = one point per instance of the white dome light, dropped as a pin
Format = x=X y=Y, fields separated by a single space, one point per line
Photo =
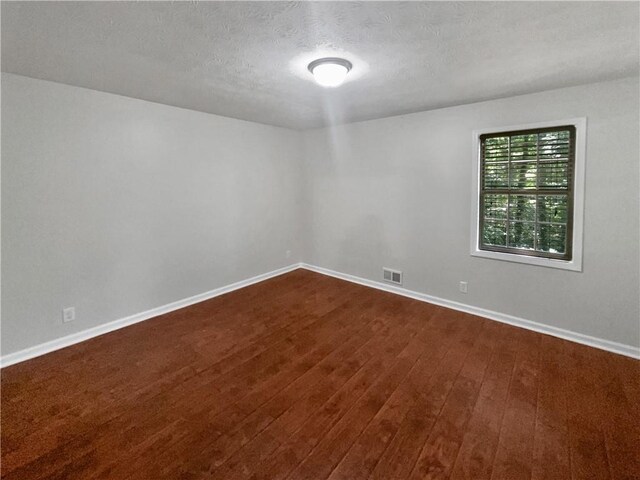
x=330 y=72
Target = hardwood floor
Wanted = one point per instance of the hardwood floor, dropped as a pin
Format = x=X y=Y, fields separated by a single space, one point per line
x=307 y=377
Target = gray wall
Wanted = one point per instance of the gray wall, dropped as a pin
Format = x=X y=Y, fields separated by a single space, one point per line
x=115 y=206
x=396 y=192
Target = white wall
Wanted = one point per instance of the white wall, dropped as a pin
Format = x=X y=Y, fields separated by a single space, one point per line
x=396 y=192
x=115 y=206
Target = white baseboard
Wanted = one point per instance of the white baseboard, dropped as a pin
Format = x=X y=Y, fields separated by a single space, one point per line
x=615 y=347
x=57 y=344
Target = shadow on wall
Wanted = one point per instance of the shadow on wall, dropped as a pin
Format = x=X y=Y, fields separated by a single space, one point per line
x=364 y=243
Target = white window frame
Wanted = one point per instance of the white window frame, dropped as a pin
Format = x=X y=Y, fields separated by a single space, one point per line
x=575 y=264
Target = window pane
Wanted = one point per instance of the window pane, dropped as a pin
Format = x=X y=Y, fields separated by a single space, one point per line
x=494 y=233
x=523 y=141
x=554 y=152
x=553 y=175
x=496 y=141
x=501 y=155
x=554 y=145
x=552 y=238
x=496 y=175
x=495 y=206
x=496 y=149
x=521 y=234
x=527 y=179
x=524 y=147
x=522 y=207
x=556 y=136
x=552 y=208
x=523 y=175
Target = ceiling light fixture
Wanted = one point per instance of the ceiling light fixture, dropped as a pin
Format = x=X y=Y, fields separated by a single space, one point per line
x=330 y=72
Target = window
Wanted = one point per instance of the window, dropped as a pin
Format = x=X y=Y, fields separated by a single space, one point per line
x=526 y=194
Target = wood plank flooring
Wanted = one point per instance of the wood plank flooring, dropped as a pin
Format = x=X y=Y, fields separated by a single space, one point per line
x=307 y=377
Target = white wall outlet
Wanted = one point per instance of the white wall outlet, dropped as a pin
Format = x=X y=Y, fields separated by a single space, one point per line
x=68 y=314
x=463 y=287
x=288 y=253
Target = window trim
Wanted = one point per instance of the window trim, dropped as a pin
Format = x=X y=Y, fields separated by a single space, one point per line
x=575 y=264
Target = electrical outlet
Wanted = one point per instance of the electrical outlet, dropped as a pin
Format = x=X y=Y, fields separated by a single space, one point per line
x=463 y=287
x=68 y=314
x=288 y=253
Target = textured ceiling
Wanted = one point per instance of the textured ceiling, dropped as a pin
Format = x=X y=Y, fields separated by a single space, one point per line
x=248 y=59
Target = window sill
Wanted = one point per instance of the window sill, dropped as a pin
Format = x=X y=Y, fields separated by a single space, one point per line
x=573 y=265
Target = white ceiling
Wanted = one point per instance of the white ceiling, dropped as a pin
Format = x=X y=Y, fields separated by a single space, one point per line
x=248 y=59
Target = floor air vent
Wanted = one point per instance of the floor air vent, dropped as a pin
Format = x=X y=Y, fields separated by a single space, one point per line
x=392 y=276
